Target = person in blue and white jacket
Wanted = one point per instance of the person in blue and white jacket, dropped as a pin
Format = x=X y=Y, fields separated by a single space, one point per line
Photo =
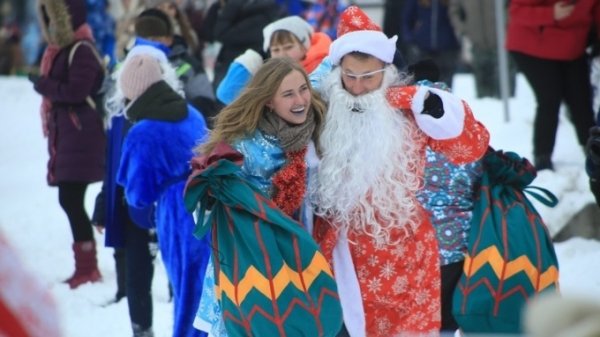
x=291 y=37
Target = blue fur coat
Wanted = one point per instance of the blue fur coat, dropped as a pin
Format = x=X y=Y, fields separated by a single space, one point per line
x=153 y=170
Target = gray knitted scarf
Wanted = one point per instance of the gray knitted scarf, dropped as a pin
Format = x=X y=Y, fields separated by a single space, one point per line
x=291 y=137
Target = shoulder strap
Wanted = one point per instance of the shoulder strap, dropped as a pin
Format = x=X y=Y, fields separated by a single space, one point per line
x=90 y=101
x=92 y=47
x=542 y=195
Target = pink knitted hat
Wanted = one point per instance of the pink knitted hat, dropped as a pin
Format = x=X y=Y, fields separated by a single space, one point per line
x=138 y=74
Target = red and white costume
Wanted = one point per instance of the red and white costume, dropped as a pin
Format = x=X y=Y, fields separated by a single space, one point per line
x=385 y=258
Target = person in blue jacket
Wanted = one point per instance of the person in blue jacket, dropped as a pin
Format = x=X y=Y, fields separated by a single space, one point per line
x=291 y=37
x=153 y=27
x=154 y=167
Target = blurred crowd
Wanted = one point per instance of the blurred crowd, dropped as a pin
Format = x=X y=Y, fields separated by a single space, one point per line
x=22 y=44
x=296 y=90
x=460 y=36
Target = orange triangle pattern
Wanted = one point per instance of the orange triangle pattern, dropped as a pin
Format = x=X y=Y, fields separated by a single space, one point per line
x=504 y=270
x=253 y=279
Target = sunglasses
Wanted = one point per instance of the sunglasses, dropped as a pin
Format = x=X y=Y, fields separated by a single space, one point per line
x=366 y=76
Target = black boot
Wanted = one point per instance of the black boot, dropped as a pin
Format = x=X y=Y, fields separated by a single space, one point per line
x=120 y=269
x=543 y=162
x=138 y=331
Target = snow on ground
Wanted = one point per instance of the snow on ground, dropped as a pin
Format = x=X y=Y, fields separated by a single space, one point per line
x=32 y=219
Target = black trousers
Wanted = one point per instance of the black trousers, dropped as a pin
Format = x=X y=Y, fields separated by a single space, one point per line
x=140 y=254
x=552 y=83
x=450 y=275
x=71 y=196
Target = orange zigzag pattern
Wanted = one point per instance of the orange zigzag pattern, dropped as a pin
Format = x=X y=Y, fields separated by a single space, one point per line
x=286 y=275
x=492 y=256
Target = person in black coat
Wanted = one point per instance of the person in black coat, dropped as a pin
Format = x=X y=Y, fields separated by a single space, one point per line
x=237 y=25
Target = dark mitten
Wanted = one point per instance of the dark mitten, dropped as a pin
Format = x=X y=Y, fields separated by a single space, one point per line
x=433 y=106
x=33 y=78
x=592 y=148
x=425 y=69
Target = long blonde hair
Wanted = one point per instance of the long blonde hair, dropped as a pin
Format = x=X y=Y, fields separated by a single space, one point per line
x=241 y=117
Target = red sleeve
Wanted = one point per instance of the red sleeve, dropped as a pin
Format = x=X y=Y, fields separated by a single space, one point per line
x=469 y=146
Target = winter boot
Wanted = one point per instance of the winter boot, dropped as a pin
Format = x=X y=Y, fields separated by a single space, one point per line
x=86 y=265
x=543 y=162
x=138 y=331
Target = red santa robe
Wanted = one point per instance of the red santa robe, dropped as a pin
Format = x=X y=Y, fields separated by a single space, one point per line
x=400 y=284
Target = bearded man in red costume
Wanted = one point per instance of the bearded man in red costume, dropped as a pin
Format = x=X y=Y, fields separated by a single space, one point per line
x=379 y=239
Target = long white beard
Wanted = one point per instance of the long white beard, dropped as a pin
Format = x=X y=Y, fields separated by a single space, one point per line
x=369 y=172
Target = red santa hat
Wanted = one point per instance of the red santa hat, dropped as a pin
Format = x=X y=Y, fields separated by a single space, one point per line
x=356 y=32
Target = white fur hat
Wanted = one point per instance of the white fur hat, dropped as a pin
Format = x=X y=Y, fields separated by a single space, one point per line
x=294 y=24
x=356 y=32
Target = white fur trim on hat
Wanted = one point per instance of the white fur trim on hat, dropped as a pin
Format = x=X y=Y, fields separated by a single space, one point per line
x=370 y=42
x=293 y=24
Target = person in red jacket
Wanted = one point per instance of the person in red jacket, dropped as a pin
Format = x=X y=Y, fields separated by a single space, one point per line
x=548 y=40
x=373 y=146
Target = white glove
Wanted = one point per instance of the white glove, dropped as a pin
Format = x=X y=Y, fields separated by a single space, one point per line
x=251 y=60
x=449 y=124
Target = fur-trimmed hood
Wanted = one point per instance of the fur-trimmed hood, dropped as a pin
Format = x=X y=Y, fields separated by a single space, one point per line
x=60 y=18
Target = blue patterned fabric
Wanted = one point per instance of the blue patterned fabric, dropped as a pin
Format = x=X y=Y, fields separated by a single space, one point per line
x=208 y=316
x=448 y=194
x=262 y=158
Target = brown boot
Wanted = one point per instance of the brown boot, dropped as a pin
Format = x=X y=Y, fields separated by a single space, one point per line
x=86 y=265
